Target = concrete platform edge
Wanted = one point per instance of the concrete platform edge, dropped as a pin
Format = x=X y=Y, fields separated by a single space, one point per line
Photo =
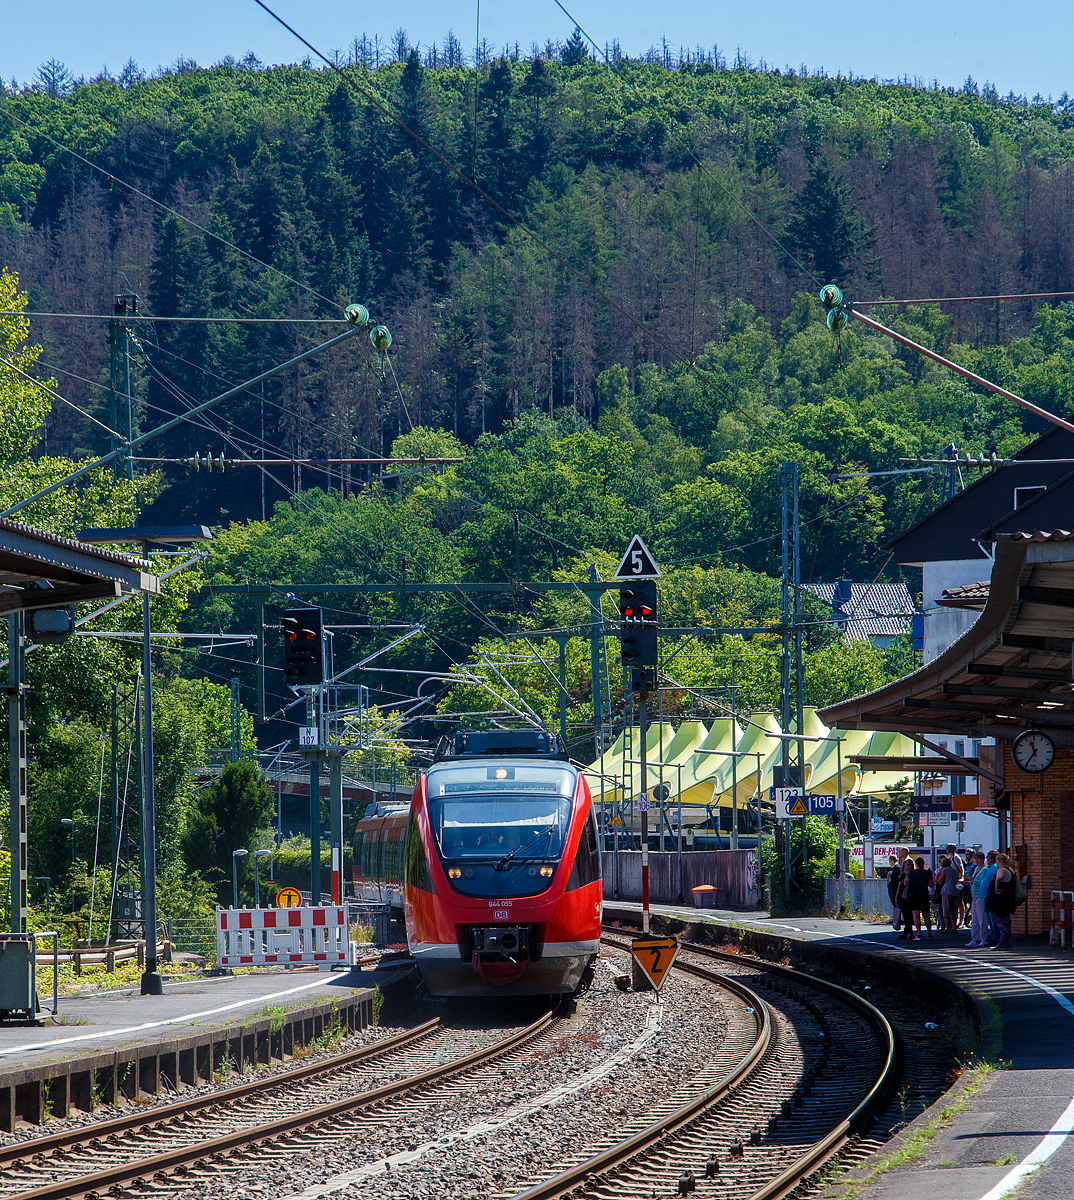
x=177 y=1060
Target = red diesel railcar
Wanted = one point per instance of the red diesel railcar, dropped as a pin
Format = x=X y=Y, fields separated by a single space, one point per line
x=500 y=868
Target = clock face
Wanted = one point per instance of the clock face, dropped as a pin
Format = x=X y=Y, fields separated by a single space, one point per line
x=1033 y=751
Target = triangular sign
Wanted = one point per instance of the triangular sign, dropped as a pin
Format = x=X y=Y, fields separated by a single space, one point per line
x=654 y=956
x=799 y=808
x=638 y=562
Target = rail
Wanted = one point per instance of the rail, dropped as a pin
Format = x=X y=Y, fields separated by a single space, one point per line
x=119 y=1175
x=140 y=1120
x=822 y=1151
x=573 y=1180
x=565 y=1183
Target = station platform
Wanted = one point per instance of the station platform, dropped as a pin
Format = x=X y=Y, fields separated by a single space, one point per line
x=111 y=1047
x=1008 y=1127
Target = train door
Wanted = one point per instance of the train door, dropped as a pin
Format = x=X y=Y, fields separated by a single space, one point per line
x=357 y=864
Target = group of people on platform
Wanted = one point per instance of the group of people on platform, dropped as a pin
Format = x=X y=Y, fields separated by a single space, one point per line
x=981 y=892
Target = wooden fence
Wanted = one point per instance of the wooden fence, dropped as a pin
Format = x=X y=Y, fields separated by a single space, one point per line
x=734 y=872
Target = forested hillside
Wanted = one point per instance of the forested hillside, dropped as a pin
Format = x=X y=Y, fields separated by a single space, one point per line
x=641 y=357
x=886 y=188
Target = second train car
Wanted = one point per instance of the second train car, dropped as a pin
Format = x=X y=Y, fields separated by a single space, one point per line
x=496 y=865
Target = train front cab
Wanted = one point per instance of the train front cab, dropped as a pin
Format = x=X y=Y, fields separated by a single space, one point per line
x=502 y=874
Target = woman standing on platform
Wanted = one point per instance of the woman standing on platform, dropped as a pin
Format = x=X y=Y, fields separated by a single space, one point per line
x=904 y=900
x=937 y=892
x=949 y=892
x=1000 y=901
x=978 y=923
x=894 y=879
x=920 y=883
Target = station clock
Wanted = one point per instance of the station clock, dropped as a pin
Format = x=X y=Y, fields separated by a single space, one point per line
x=1033 y=751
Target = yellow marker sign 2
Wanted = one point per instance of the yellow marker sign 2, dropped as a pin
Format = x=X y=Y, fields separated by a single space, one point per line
x=288 y=897
x=654 y=957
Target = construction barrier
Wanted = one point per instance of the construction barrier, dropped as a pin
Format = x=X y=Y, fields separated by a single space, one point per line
x=264 y=936
x=1062 y=920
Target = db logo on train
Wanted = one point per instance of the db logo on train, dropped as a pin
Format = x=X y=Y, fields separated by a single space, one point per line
x=288 y=897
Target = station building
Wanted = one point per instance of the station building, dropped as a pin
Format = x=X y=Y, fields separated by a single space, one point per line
x=997 y=567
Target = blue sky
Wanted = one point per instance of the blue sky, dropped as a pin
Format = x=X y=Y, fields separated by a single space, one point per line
x=1026 y=50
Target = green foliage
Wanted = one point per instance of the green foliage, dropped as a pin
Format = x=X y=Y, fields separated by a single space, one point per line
x=234 y=812
x=821 y=839
x=292 y=860
x=841 y=670
x=569 y=419
x=183 y=894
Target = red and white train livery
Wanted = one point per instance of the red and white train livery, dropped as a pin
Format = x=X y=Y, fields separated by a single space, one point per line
x=500 y=868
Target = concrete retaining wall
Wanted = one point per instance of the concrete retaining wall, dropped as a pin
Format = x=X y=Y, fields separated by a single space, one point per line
x=38 y=1093
x=839 y=962
x=863 y=895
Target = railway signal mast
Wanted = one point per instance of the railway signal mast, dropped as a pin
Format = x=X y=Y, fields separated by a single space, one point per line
x=303 y=665
x=638 y=638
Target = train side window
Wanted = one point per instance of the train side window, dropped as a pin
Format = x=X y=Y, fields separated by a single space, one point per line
x=358 y=855
x=368 y=846
x=586 y=867
x=382 y=846
x=417 y=868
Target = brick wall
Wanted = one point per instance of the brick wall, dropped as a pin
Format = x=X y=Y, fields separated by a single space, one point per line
x=1042 y=819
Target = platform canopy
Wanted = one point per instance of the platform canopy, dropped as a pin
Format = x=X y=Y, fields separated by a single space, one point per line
x=42 y=570
x=1011 y=671
x=700 y=760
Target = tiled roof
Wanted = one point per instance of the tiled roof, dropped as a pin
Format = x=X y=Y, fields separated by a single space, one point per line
x=874 y=609
x=969 y=595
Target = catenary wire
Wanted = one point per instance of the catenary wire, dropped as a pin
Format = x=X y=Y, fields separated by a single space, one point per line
x=189 y=320
x=56 y=396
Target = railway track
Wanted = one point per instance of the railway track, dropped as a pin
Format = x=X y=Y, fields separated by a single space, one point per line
x=172 y=1141
x=822 y=1064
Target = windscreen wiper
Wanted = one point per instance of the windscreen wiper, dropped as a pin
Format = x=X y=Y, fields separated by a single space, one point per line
x=505 y=861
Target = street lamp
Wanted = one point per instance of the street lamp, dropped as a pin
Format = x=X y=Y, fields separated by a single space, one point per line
x=71 y=825
x=235 y=856
x=258 y=854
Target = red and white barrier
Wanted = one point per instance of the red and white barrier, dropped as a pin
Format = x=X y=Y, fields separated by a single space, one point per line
x=265 y=936
x=1063 y=920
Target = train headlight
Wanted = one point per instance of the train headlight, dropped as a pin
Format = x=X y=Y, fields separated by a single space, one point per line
x=454 y=873
x=547 y=872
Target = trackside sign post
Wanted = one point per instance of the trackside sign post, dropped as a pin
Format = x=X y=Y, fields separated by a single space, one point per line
x=652 y=959
x=638 y=562
x=638 y=639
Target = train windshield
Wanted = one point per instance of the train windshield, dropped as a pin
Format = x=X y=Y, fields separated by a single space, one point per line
x=500 y=828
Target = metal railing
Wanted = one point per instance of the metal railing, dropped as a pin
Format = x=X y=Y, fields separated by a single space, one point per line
x=194 y=935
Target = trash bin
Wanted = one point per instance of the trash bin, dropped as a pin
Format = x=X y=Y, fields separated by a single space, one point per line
x=705 y=896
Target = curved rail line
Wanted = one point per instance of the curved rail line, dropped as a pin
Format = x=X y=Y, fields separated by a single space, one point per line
x=661 y=1133
x=184 y=1158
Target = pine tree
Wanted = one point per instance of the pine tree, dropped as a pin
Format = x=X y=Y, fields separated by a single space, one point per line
x=825 y=225
x=574 y=51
